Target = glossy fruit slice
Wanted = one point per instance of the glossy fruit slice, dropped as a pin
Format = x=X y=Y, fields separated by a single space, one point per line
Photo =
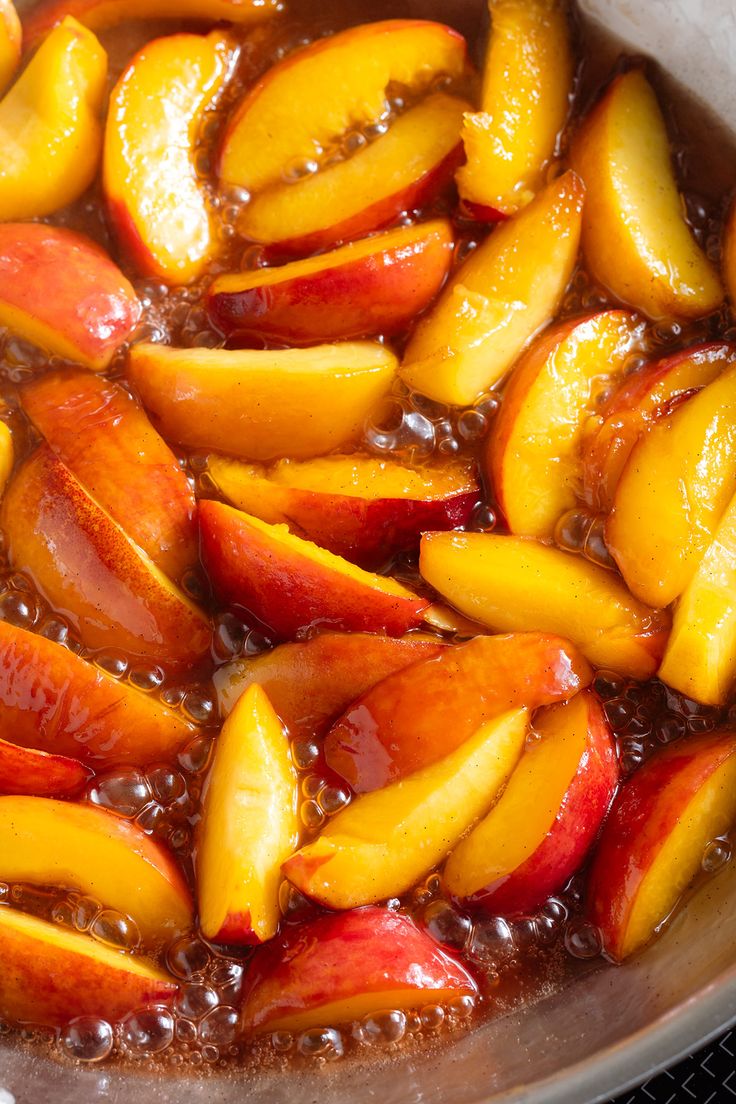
x=36 y=773
x=525 y=101
x=729 y=255
x=537 y=834
x=7 y=455
x=262 y=405
x=514 y=584
x=338 y=969
x=374 y=286
x=249 y=826
x=383 y=736
x=49 y=125
x=635 y=238
x=11 y=35
x=290 y=584
x=508 y=289
x=155 y=199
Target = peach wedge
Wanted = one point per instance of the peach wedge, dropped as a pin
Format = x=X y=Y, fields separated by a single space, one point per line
x=635 y=238
x=50 y=127
x=525 y=101
x=729 y=256
x=38 y=774
x=516 y=584
x=534 y=450
x=11 y=35
x=59 y=843
x=249 y=826
x=262 y=405
x=507 y=290
x=155 y=199
x=290 y=584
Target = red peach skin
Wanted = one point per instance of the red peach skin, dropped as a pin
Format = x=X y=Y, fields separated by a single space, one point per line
x=28 y=771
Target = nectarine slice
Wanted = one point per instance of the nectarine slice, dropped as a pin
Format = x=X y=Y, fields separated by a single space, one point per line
x=105 y=439
x=49 y=124
x=673 y=491
x=525 y=101
x=338 y=969
x=51 y=975
x=36 y=773
x=383 y=736
x=58 y=843
x=249 y=826
x=635 y=238
x=356 y=506
x=534 y=449
x=729 y=256
x=376 y=285
x=401 y=170
x=155 y=200
x=515 y=584
x=507 y=290
x=540 y=829
x=385 y=841
x=655 y=837
x=11 y=35
x=262 y=405
x=290 y=584
x=7 y=455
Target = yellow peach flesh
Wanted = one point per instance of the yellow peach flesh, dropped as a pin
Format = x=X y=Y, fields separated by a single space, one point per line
x=10 y=43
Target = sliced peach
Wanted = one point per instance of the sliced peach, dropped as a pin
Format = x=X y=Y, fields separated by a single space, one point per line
x=85 y=565
x=385 y=841
x=249 y=826
x=655 y=837
x=377 y=285
x=310 y=682
x=356 y=506
x=338 y=969
x=507 y=290
x=514 y=584
x=99 y=432
x=156 y=202
x=538 y=833
x=51 y=975
x=534 y=450
x=674 y=489
x=290 y=584
x=28 y=771
x=11 y=35
x=52 y=700
x=635 y=238
x=729 y=256
x=643 y=398
x=262 y=405
x=7 y=455
x=401 y=170
x=50 y=118
x=58 y=843
x=383 y=736
x=525 y=101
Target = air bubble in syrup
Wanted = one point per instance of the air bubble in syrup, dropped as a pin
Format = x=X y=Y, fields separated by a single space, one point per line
x=384 y=1027
x=194 y=1001
x=115 y=929
x=188 y=957
x=87 y=1039
x=126 y=792
x=582 y=940
x=220 y=1026
x=320 y=1042
x=147 y=1031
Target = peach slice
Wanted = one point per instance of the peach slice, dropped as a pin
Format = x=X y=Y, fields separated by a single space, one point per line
x=541 y=828
x=729 y=256
x=533 y=453
x=11 y=35
x=377 y=285
x=635 y=239
x=507 y=290
x=525 y=101
x=50 y=124
x=383 y=736
x=32 y=772
x=338 y=969
x=673 y=491
x=7 y=455
x=86 y=566
x=401 y=170
x=99 y=432
x=88 y=309
x=311 y=682
x=290 y=584
x=385 y=841
x=51 y=975
x=514 y=584
x=654 y=839
x=156 y=202
x=262 y=405
x=52 y=700
x=355 y=506
x=644 y=397
x=315 y=94
x=249 y=826
x=58 y=843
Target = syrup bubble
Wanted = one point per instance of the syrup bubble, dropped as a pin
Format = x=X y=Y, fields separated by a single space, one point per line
x=219 y=1026
x=582 y=939
x=125 y=792
x=87 y=1039
x=383 y=1027
x=147 y=1031
x=188 y=957
x=194 y=1001
x=320 y=1042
